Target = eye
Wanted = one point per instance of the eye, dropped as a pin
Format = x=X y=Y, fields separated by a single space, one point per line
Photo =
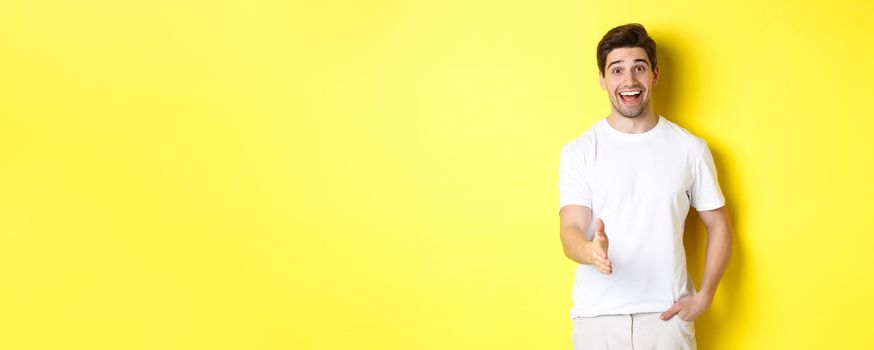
x=616 y=70
x=640 y=68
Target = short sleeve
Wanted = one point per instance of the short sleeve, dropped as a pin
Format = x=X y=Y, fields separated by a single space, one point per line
x=573 y=184
x=705 y=193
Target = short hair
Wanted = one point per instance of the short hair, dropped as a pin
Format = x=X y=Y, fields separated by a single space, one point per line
x=628 y=35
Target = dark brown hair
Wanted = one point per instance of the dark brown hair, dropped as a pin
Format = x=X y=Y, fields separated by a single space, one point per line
x=628 y=35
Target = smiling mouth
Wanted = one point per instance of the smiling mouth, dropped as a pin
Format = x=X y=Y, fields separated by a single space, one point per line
x=630 y=97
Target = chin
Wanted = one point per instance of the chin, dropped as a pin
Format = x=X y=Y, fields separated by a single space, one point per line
x=630 y=114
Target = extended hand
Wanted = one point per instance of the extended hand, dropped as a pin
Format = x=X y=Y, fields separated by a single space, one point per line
x=598 y=249
x=688 y=308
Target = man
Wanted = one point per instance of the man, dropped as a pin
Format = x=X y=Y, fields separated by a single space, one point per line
x=625 y=188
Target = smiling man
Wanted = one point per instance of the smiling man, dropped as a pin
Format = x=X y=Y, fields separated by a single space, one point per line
x=625 y=189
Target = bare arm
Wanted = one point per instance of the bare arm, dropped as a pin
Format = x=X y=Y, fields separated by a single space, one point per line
x=718 y=251
x=574 y=221
x=715 y=261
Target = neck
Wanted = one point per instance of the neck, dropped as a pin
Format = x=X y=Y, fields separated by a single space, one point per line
x=640 y=124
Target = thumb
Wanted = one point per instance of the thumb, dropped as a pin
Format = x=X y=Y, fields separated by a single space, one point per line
x=601 y=238
x=599 y=226
x=673 y=310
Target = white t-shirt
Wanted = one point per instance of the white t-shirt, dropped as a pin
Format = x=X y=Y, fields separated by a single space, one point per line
x=641 y=186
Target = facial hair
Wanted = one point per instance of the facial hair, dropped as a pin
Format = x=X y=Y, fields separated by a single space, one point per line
x=630 y=112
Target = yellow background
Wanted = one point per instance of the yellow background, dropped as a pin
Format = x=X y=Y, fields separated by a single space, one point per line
x=383 y=174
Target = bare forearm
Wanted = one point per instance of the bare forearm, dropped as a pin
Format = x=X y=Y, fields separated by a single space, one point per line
x=574 y=243
x=716 y=257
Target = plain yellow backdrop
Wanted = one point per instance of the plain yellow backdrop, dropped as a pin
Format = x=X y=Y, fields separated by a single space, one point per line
x=383 y=174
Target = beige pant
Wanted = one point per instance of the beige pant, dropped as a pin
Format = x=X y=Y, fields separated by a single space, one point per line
x=643 y=331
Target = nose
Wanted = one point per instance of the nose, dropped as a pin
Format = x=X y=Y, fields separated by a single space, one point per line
x=630 y=78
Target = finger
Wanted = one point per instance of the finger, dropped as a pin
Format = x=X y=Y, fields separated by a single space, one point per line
x=599 y=226
x=604 y=269
x=599 y=264
x=600 y=267
x=674 y=309
x=604 y=266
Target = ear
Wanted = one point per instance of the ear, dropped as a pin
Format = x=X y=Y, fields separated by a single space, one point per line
x=602 y=81
x=655 y=73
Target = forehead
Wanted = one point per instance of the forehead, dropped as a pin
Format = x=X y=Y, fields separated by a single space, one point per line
x=626 y=55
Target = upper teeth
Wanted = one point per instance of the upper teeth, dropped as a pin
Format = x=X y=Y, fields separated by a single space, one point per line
x=629 y=93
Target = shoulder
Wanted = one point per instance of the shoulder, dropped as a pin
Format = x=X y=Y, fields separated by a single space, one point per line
x=693 y=143
x=583 y=144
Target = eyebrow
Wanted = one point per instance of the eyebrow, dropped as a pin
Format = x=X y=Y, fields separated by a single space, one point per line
x=635 y=60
